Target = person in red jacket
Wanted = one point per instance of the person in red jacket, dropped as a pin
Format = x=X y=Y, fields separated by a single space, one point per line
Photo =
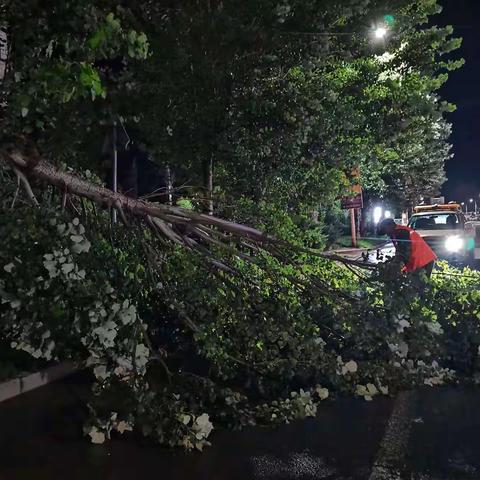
x=411 y=251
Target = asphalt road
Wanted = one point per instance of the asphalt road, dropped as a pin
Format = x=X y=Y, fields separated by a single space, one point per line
x=426 y=435
x=374 y=255
x=387 y=251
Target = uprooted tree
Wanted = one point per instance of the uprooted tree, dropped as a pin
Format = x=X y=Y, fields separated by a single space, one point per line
x=185 y=318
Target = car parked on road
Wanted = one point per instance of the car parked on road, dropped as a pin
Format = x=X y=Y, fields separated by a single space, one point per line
x=445 y=229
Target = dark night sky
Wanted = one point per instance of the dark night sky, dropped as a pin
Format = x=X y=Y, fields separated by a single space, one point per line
x=463 y=89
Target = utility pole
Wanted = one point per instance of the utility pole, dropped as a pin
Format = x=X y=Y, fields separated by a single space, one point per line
x=3 y=54
x=115 y=167
x=208 y=183
x=359 y=224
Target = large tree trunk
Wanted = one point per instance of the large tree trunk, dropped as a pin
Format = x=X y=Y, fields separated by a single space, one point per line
x=161 y=218
x=74 y=185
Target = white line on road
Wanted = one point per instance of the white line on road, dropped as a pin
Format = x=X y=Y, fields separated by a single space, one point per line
x=393 y=447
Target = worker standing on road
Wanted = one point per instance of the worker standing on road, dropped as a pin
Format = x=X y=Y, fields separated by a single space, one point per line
x=412 y=252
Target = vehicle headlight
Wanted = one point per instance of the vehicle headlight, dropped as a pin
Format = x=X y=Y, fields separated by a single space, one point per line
x=454 y=244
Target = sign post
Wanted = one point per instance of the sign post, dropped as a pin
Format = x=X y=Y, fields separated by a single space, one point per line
x=352 y=203
x=353 y=227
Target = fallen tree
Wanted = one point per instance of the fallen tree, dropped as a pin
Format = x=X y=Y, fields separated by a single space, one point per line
x=178 y=346
x=187 y=319
x=185 y=227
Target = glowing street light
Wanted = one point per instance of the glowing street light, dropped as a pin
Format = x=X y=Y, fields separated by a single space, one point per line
x=388 y=214
x=380 y=33
x=471 y=201
x=377 y=214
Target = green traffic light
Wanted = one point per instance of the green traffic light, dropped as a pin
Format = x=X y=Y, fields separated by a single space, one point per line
x=389 y=19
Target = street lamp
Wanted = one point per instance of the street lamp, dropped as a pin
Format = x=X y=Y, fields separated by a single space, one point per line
x=377 y=214
x=466 y=205
x=475 y=204
x=380 y=33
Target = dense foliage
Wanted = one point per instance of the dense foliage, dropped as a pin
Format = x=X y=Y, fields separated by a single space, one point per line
x=178 y=347
x=278 y=99
x=274 y=103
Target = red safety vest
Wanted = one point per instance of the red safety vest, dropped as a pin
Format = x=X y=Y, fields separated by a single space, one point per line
x=421 y=254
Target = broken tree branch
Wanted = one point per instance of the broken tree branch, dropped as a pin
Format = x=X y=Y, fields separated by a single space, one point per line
x=26 y=185
x=161 y=218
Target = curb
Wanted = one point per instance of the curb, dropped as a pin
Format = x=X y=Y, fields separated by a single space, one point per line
x=17 y=386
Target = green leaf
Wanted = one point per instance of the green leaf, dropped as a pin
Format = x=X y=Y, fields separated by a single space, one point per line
x=98 y=38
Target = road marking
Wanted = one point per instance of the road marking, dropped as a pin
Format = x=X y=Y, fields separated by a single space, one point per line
x=393 y=447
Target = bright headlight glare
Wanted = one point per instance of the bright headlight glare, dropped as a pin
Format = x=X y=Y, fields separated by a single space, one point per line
x=454 y=244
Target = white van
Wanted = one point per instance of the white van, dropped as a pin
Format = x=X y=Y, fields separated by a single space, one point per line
x=443 y=228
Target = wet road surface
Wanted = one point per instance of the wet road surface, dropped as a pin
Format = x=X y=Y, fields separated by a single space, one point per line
x=41 y=439
x=427 y=435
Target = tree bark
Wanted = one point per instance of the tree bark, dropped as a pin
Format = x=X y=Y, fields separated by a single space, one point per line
x=47 y=172
x=161 y=217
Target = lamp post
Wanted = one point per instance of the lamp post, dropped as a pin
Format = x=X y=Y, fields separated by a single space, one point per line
x=377 y=31
x=115 y=166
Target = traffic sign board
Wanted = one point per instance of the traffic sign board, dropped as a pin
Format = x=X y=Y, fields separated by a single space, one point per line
x=352 y=202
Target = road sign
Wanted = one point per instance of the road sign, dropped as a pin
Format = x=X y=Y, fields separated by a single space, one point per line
x=352 y=202
x=355 y=199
